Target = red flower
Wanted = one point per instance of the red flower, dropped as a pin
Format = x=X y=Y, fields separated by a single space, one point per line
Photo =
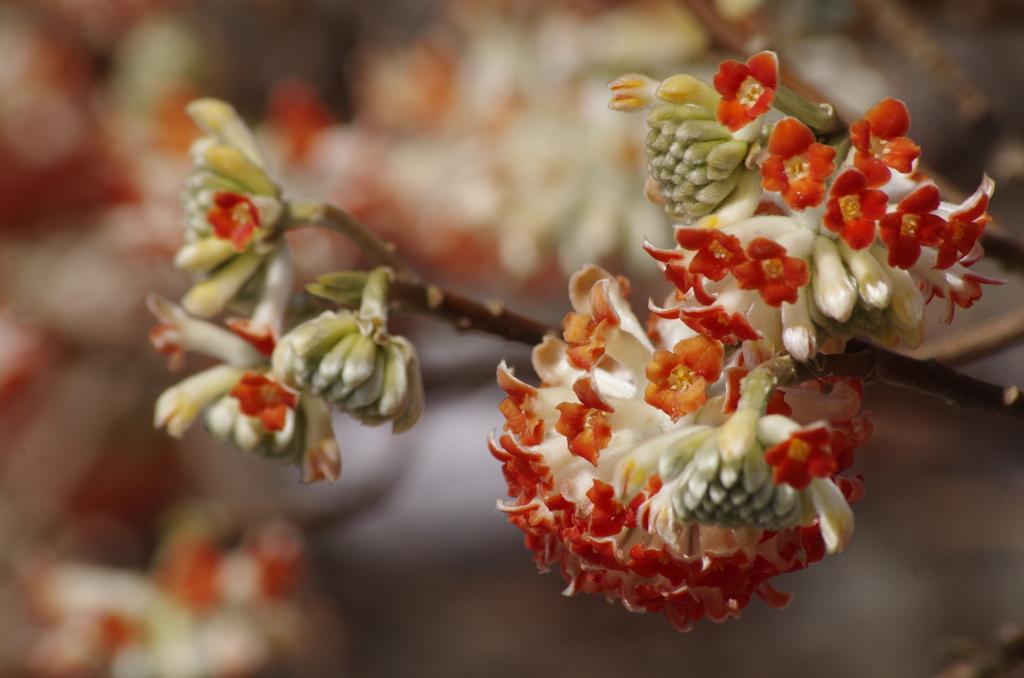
x=747 y=89
x=805 y=454
x=583 y=423
x=717 y=253
x=261 y=338
x=797 y=166
x=853 y=209
x=965 y=227
x=879 y=142
x=717 y=324
x=676 y=272
x=234 y=217
x=260 y=396
x=774 y=275
x=679 y=378
x=519 y=417
x=911 y=226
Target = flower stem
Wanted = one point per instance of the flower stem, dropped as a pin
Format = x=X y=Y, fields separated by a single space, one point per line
x=379 y=252
x=821 y=118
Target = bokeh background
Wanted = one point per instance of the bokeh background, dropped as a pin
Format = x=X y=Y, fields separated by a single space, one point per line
x=474 y=134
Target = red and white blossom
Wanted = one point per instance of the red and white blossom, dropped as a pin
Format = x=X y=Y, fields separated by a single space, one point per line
x=599 y=474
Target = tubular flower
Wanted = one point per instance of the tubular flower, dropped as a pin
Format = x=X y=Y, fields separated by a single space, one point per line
x=912 y=225
x=803 y=274
x=678 y=379
x=804 y=455
x=879 y=142
x=798 y=165
x=853 y=209
x=667 y=512
x=242 y=404
x=774 y=275
x=965 y=227
x=747 y=89
x=673 y=264
x=232 y=206
x=712 y=322
x=717 y=254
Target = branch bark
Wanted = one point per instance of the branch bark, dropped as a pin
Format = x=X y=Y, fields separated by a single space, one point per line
x=875 y=364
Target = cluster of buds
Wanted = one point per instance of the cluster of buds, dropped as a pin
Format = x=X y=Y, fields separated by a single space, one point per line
x=348 y=359
x=202 y=611
x=668 y=468
x=662 y=473
x=265 y=398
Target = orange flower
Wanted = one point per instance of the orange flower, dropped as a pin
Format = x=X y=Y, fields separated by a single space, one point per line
x=879 y=142
x=853 y=209
x=747 y=89
x=798 y=166
x=679 y=378
x=774 y=275
x=519 y=418
x=583 y=423
x=803 y=455
x=234 y=217
x=911 y=226
x=717 y=253
x=263 y=397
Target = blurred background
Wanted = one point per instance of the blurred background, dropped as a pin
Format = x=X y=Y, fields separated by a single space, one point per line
x=474 y=134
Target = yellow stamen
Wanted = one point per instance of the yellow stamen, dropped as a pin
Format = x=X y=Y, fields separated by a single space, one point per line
x=849 y=206
x=798 y=450
x=908 y=225
x=750 y=91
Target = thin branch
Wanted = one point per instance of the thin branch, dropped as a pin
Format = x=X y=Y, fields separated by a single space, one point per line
x=976 y=342
x=904 y=29
x=379 y=252
x=466 y=314
x=875 y=364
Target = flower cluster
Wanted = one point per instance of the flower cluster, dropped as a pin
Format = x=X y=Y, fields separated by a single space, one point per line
x=668 y=468
x=809 y=247
x=201 y=611
x=662 y=472
x=265 y=398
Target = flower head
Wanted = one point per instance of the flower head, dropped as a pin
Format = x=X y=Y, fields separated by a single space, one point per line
x=747 y=89
x=798 y=165
x=640 y=486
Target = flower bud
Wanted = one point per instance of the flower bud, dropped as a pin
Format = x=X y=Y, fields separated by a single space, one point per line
x=696 y=161
x=178 y=406
x=228 y=424
x=355 y=366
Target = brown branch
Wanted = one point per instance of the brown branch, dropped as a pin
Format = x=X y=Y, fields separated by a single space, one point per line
x=466 y=314
x=904 y=29
x=976 y=342
x=875 y=364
